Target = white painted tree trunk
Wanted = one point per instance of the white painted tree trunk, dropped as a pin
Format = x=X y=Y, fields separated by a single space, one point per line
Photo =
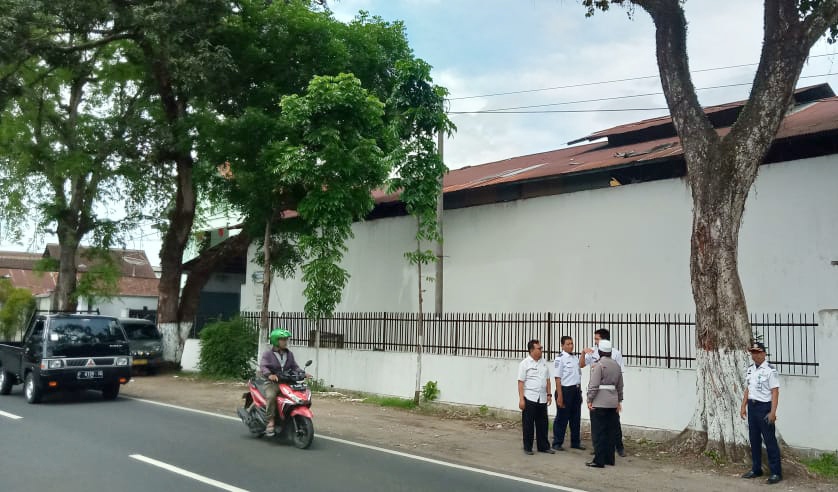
x=174 y=338
x=715 y=424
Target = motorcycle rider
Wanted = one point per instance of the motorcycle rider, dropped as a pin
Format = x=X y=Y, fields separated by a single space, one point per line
x=273 y=362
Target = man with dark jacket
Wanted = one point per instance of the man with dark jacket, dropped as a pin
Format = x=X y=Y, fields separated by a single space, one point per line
x=274 y=362
x=605 y=392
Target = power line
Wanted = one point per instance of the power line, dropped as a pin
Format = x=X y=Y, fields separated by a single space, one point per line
x=513 y=110
x=614 y=81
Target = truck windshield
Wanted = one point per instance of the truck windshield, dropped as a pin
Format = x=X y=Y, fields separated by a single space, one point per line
x=84 y=331
x=141 y=331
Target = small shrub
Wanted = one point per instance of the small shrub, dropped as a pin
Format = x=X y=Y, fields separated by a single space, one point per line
x=715 y=457
x=318 y=385
x=228 y=349
x=826 y=465
x=390 y=401
x=483 y=410
x=430 y=391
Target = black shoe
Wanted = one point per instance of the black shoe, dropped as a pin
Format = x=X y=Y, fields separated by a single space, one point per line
x=594 y=465
x=578 y=447
x=558 y=448
x=773 y=479
x=548 y=451
x=622 y=453
x=528 y=451
x=751 y=474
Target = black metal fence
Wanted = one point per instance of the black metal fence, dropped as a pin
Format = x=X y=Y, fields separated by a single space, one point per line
x=645 y=340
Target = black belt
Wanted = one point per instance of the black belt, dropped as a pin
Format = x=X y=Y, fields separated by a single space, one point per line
x=572 y=386
x=757 y=402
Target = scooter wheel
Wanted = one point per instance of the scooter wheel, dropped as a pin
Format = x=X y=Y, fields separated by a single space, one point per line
x=303 y=432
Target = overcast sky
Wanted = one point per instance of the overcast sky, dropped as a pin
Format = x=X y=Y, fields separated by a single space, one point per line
x=482 y=47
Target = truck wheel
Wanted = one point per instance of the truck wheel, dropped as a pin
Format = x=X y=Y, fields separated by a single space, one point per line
x=110 y=392
x=31 y=390
x=5 y=382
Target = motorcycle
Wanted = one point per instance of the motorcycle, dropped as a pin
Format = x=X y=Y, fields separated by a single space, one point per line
x=293 y=407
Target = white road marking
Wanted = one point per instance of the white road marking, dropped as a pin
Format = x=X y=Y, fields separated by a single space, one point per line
x=185 y=473
x=10 y=415
x=384 y=450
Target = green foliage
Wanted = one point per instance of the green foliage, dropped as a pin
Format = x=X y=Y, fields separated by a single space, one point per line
x=826 y=465
x=228 y=349
x=483 y=411
x=100 y=280
x=318 y=385
x=390 y=401
x=715 y=457
x=17 y=304
x=430 y=391
x=331 y=151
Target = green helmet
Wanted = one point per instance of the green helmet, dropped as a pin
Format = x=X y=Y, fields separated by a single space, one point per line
x=278 y=333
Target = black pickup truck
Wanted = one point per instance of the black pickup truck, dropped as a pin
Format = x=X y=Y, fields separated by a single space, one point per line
x=66 y=351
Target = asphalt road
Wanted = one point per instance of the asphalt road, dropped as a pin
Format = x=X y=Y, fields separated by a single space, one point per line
x=77 y=442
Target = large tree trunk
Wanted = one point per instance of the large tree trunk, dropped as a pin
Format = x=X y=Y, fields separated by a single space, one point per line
x=65 y=288
x=721 y=173
x=182 y=215
x=171 y=262
x=722 y=327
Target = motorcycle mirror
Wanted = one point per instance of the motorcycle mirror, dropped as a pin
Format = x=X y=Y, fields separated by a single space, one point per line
x=308 y=363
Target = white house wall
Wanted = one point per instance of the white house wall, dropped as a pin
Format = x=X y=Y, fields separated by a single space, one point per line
x=623 y=249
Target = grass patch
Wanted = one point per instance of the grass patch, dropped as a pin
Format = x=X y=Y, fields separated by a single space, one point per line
x=390 y=401
x=826 y=465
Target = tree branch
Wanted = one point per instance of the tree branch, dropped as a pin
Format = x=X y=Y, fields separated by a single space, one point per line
x=784 y=51
x=95 y=43
x=817 y=22
x=688 y=116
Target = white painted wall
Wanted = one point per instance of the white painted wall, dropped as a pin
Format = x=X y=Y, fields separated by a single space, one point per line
x=623 y=249
x=119 y=306
x=654 y=398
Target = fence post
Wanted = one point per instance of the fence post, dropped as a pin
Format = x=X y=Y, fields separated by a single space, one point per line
x=550 y=333
x=384 y=331
x=668 y=347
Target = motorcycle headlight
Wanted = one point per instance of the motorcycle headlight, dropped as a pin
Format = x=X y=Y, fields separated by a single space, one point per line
x=122 y=361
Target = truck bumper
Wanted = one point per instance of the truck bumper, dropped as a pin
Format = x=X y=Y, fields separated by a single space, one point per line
x=82 y=378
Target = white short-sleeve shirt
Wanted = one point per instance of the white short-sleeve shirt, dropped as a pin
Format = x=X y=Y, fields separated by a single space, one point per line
x=761 y=380
x=566 y=368
x=616 y=356
x=534 y=374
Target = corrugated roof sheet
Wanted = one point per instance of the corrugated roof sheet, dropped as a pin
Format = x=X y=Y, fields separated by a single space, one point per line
x=133 y=262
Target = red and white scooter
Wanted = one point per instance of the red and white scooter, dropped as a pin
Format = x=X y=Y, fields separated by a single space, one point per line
x=293 y=408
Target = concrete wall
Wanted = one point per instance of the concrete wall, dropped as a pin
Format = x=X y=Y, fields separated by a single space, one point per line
x=119 y=306
x=622 y=249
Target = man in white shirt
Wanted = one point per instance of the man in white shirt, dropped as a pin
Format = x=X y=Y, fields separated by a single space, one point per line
x=568 y=376
x=759 y=405
x=591 y=355
x=534 y=397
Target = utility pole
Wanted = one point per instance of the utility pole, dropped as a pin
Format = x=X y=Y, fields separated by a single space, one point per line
x=264 y=329
x=438 y=282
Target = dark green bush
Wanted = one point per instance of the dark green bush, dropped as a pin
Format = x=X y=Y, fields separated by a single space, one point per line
x=228 y=349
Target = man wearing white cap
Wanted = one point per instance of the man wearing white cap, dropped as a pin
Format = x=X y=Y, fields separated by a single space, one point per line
x=605 y=392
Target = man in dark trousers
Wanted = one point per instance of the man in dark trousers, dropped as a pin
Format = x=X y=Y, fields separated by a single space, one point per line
x=591 y=355
x=568 y=376
x=760 y=406
x=605 y=392
x=534 y=397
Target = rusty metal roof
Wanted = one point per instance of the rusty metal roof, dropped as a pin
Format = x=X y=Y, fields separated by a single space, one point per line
x=814 y=118
x=132 y=262
x=801 y=96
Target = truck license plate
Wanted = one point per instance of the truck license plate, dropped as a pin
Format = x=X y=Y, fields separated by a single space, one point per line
x=90 y=374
